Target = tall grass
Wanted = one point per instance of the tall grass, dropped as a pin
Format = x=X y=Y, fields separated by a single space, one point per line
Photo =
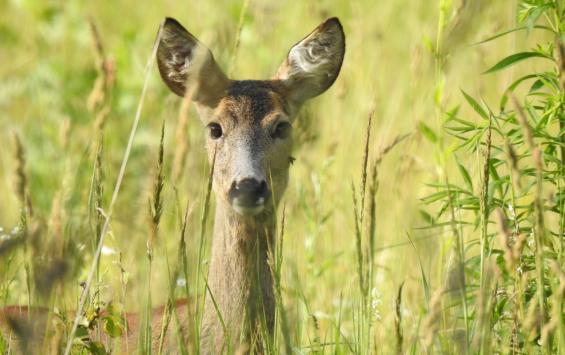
x=508 y=285
x=452 y=242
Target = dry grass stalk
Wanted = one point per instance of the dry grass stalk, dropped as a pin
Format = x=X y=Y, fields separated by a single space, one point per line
x=513 y=158
x=486 y=300
x=539 y=226
x=21 y=179
x=202 y=241
x=511 y=245
x=532 y=322
x=156 y=199
x=455 y=282
x=56 y=224
x=381 y=155
x=242 y=349
x=181 y=266
x=57 y=204
x=556 y=322
x=364 y=167
x=237 y=41
x=365 y=233
x=117 y=187
x=371 y=225
x=527 y=129
x=359 y=247
x=485 y=211
x=461 y=27
x=22 y=193
x=181 y=137
x=275 y=264
x=98 y=191
x=432 y=321
x=384 y=151
x=398 y=320
x=155 y=212
x=99 y=99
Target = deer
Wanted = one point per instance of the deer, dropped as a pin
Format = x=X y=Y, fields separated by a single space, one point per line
x=248 y=126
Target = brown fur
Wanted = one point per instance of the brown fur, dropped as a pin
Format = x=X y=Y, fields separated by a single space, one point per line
x=239 y=275
x=33 y=332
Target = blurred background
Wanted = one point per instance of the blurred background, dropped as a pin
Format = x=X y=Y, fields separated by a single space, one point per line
x=73 y=71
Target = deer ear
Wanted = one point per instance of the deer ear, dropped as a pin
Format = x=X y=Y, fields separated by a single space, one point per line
x=313 y=64
x=186 y=64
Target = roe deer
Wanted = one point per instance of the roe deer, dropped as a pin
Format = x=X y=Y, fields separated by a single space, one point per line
x=249 y=141
x=249 y=126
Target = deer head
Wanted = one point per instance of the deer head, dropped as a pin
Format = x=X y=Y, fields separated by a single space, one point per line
x=249 y=122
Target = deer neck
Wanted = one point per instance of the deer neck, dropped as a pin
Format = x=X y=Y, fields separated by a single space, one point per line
x=239 y=280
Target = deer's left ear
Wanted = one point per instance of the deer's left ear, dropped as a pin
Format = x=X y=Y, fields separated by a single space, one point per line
x=313 y=64
x=186 y=64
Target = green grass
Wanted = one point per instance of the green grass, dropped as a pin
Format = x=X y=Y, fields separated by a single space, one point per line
x=452 y=242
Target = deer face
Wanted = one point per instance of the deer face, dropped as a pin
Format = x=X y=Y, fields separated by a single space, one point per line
x=250 y=134
x=248 y=123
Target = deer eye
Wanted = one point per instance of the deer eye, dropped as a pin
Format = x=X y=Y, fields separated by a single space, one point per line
x=282 y=131
x=215 y=130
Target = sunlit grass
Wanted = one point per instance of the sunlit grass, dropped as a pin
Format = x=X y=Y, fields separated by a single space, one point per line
x=341 y=276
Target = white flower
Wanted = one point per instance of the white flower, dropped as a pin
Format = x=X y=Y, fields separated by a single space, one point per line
x=309 y=243
x=181 y=282
x=531 y=241
x=376 y=301
x=512 y=213
x=108 y=251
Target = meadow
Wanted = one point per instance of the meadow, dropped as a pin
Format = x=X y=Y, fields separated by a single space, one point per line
x=425 y=208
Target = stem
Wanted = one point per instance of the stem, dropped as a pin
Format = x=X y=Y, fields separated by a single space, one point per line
x=117 y=187
x=201 y=245
x=484 y=201
x=561 y=53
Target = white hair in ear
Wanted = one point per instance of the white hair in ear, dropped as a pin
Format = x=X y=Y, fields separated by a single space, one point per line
x=312 y=65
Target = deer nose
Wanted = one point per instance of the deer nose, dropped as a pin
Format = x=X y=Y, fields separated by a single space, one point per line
x=249 y=194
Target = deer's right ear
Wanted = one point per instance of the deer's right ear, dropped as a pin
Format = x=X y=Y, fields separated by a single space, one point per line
x=313 y=64
x=185 y=64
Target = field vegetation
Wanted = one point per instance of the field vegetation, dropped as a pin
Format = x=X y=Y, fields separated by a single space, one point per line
x=425 y=209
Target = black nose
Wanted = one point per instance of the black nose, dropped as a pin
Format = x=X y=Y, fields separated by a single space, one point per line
x=249 y=192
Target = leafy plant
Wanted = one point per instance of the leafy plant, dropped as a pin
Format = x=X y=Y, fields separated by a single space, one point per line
x=513 y=226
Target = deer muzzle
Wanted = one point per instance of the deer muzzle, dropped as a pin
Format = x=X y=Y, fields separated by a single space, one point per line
x=249 y=196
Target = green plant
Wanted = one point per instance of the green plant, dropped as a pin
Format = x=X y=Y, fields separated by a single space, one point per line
x=512 y=227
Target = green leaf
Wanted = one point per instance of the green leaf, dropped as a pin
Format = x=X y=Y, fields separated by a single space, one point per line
x=427 y=217
x=466 y=176
x=501 y=34
x=451 y=114
x=425 y=284
x=81 y=332
x=513 y=59
x=96 y=348
x=538 y=84
x=113 y=326
x=512 y=87
x=428 y=132
x=435 y=197
x=532 y=14
x=476 y=106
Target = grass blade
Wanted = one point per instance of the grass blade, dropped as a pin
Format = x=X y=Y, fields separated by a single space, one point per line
x=513 y=59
